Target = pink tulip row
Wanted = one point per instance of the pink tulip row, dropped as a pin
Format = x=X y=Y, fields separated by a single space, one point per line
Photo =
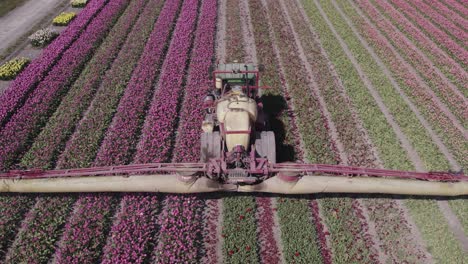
x=448 y=13
x=422 y=65
x=129 y=239
x=82 y=147
x=209 y=233
x=457 y=52
x=48 y=144
x=182 y=221
x=424 y=100
x=42 y=102
x=457 y=6
x=96 y=213
x=17 y=91
x=158 y=131
x=123 y=131
x=440 y=58
x=441 y=21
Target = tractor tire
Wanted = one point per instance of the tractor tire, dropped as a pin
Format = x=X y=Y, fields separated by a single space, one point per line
x=265 y=145
x=210 y=146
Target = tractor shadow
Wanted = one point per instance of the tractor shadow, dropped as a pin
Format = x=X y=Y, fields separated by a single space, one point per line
x=275 y=107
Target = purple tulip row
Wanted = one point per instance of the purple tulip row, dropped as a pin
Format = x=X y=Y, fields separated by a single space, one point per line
x=122 y=136
x=60 y=126
x=75 y=245
x=25 y=123
x=422 y=65
x=181 y=223
x=449 y=14
x=130 y=239
x=441 y=59
x=442 y=22
x=455 y=50
x=17 y=91
x=82 y=147
x=158 y=130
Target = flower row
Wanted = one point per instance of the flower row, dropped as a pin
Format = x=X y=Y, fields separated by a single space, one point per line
x=448 y=13
x=438 y=57
x=456 y=51
x=43 y=37
x=19 y=89
x=10 y=69
x=83 y=145
x=79 y=3
x=63 y=19
x=51 y=140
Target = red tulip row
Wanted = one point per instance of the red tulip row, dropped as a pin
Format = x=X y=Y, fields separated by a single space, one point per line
x=422 y=65
x=128 y=238
x=452 y=137
x=269 y=251
x=448 y=13
x=442 y=22
x=82 y=147
x=456 y=51
x=445 y=63
x=15 y=94
x=127 y=121
x=51 y=140
x=181 y=223
x=26 y=122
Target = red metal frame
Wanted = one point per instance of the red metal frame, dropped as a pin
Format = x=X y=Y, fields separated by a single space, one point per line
x=259 y=167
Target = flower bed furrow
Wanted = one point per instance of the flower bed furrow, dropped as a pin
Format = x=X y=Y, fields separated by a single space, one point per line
x=452 y=137
x=448 y=13
x=233 y=38
x=51 y=140
x=287 y=137
x=391 y=152
x=13 y=208
x=26 y=123
x=83 y=145
x=358 y=151
x=170 y=79
x=456 y=33
x=181 y=225
x=39 y=232
x=421 y=45
x=423 y=65
x=354 y=229
x=127 y=122
x=453 y=49
x=156 y=142
x=17 y=92
x=129 y=240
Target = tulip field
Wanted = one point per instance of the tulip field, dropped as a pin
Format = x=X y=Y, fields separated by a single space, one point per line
x=371 y=83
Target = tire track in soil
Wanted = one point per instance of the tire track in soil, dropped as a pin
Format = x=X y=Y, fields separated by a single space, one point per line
x=453 y=222
x=364 y=136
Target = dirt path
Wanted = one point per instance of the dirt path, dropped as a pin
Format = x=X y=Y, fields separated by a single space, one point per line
x=22 y=19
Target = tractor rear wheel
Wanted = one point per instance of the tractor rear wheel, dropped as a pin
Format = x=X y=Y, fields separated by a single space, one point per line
x=210 y=146
x=265 y=145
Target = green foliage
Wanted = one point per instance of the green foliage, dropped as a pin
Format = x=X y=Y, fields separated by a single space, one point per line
x=64 y=18
x=10 y=69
